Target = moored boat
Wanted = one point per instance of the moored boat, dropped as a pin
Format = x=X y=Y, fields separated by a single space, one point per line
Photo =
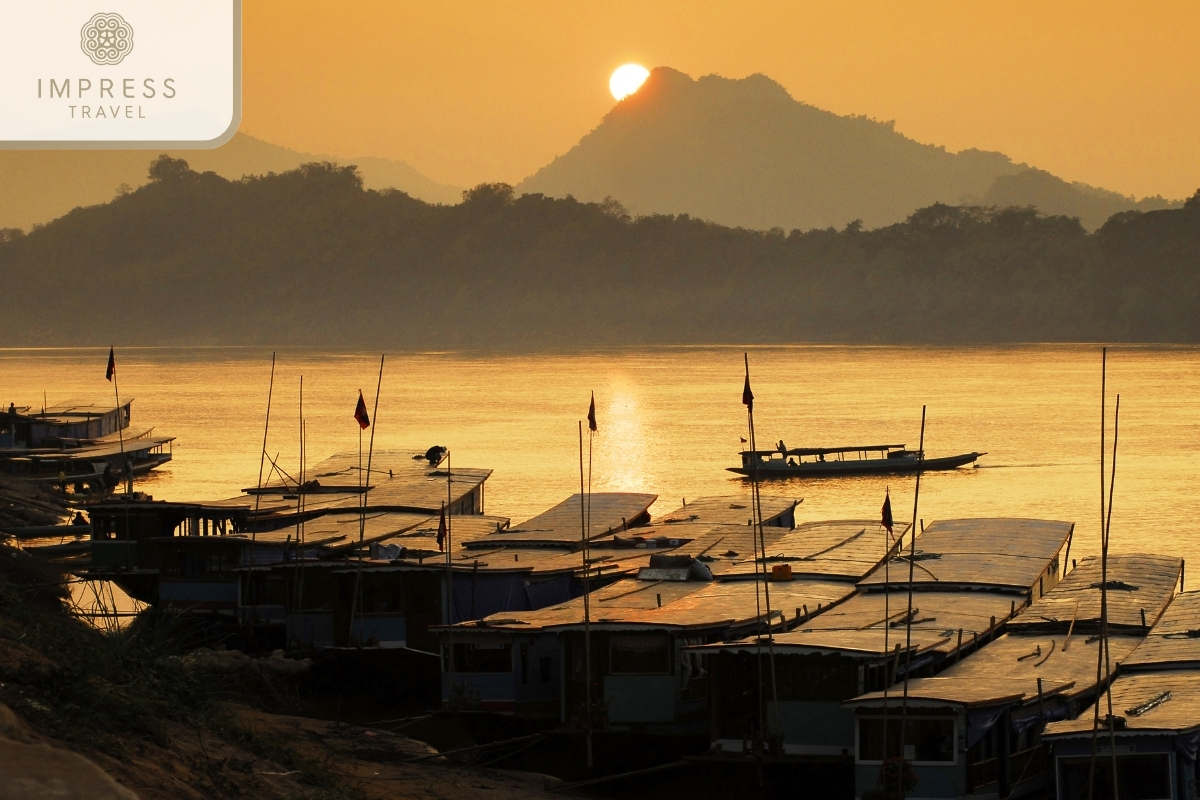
x=817 y=462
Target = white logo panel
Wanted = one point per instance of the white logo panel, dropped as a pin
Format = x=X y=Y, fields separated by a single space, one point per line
x=74 y=73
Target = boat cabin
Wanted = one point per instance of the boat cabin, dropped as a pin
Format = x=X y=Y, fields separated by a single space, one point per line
x=1155 y=725
x=969 y=578
x=977 y=725
x=22 y=428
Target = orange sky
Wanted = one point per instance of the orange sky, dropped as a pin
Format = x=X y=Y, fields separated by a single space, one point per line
x=1100 y=92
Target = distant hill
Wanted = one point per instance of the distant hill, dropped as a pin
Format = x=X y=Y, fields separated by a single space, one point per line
x=40 y=185
x=1054 y=196
x=744 y=153
x=310 y=257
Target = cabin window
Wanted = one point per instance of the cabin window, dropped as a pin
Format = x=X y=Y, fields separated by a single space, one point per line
x=640 y=654
x=1141 y=777
x=544 y=669
x=524 y=665
x=926 y=739
x=481 y=657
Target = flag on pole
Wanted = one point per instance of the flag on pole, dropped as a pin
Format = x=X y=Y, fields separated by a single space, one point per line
x=886 y=521
x=112 y=365
x=747 y=395
x=743 y=438
x=360 y=412
x=441 y=537
x=592 y=414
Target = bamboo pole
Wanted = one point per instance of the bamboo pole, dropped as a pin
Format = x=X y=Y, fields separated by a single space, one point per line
x=587 y=639
x=262 y=458
x=912 y=561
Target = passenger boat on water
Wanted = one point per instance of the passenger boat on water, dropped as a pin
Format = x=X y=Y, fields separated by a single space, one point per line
x=818 y=462
x=84 y=445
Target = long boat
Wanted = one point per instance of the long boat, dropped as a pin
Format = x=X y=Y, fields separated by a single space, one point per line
x=818 y=462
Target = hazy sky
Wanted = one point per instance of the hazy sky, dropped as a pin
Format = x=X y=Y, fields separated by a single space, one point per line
x=1101 y=92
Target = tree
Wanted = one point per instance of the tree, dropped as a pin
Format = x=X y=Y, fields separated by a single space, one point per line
x=164 y=169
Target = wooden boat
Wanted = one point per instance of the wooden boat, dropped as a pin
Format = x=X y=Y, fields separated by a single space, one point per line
x=84 y=445
x=819 y=462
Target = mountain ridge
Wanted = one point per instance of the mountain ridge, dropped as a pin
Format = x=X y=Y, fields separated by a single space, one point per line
x=744 y=153
x=42 y=185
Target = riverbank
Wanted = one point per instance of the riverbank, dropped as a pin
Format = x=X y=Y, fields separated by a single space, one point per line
x=131 y=714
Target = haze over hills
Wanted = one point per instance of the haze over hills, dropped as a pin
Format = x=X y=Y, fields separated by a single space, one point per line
x=40 y=185
x=745 y=153
x=310 y=258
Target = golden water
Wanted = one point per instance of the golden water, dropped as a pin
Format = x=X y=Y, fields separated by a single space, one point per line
x=670 y=421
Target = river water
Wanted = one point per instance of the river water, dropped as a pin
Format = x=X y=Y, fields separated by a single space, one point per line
x=670 y=420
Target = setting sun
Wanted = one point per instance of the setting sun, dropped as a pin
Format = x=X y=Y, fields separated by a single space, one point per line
x=627 y=79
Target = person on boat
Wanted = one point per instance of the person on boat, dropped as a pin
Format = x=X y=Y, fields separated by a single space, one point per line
x=79 y=520
x=791 y=462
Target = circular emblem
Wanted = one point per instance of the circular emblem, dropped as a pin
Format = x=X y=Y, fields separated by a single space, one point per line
x=106 y=38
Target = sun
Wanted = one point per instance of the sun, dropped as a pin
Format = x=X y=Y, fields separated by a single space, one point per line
x=627 y=79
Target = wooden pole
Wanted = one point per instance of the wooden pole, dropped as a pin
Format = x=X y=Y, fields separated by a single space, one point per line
x=120 y=438
x=449 y=571
x=1100 y=654
x=300 y=509
x=587 y=639
x=759 y=564
x=364 y=489
x=912 y=562
x=1112 y=478
x=763 y=549
x=262 y=458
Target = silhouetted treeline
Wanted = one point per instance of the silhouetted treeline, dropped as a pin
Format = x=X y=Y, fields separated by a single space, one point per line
x=310 y=258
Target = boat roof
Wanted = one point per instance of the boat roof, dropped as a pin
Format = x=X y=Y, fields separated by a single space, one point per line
x=399 y=482
x=1008 y=553
x=857 y=627
x=1174 y=641
x=67 y=412
x=633 y=605
x=1134 y=696
x=729 y=509
x=1138 y=583
x=1007 y=670
x=561 y=526
x=816 y=451
x=107 y=449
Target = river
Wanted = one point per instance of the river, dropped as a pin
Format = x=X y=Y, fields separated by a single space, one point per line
x=670 y=422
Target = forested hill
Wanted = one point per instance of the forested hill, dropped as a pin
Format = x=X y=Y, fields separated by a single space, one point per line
x=309 y=257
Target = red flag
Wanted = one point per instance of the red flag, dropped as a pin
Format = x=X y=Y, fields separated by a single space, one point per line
x=592 y=414
x=747 y=395
x=887 y=512
x=441 y=537
x=360 y=412
x=112 y=365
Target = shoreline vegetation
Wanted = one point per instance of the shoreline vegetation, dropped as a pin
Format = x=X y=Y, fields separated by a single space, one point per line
x=311 y=258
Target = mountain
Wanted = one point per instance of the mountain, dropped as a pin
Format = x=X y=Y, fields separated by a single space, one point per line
x=745 y=153
x=1054 y=196
x=40 y=185
x=311 y=258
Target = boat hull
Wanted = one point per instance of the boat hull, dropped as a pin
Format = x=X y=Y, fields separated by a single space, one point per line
x=882 y=466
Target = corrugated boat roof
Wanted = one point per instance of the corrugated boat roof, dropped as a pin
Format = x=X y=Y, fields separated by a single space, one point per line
x=1137 y=582
x=1179 y=714
x=1174 y=641
x=1008 y=669
x=562 y=524
x=856 y=627
x=1002 y=552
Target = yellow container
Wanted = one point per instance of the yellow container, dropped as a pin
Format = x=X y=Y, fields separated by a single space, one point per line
x=781 y=572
